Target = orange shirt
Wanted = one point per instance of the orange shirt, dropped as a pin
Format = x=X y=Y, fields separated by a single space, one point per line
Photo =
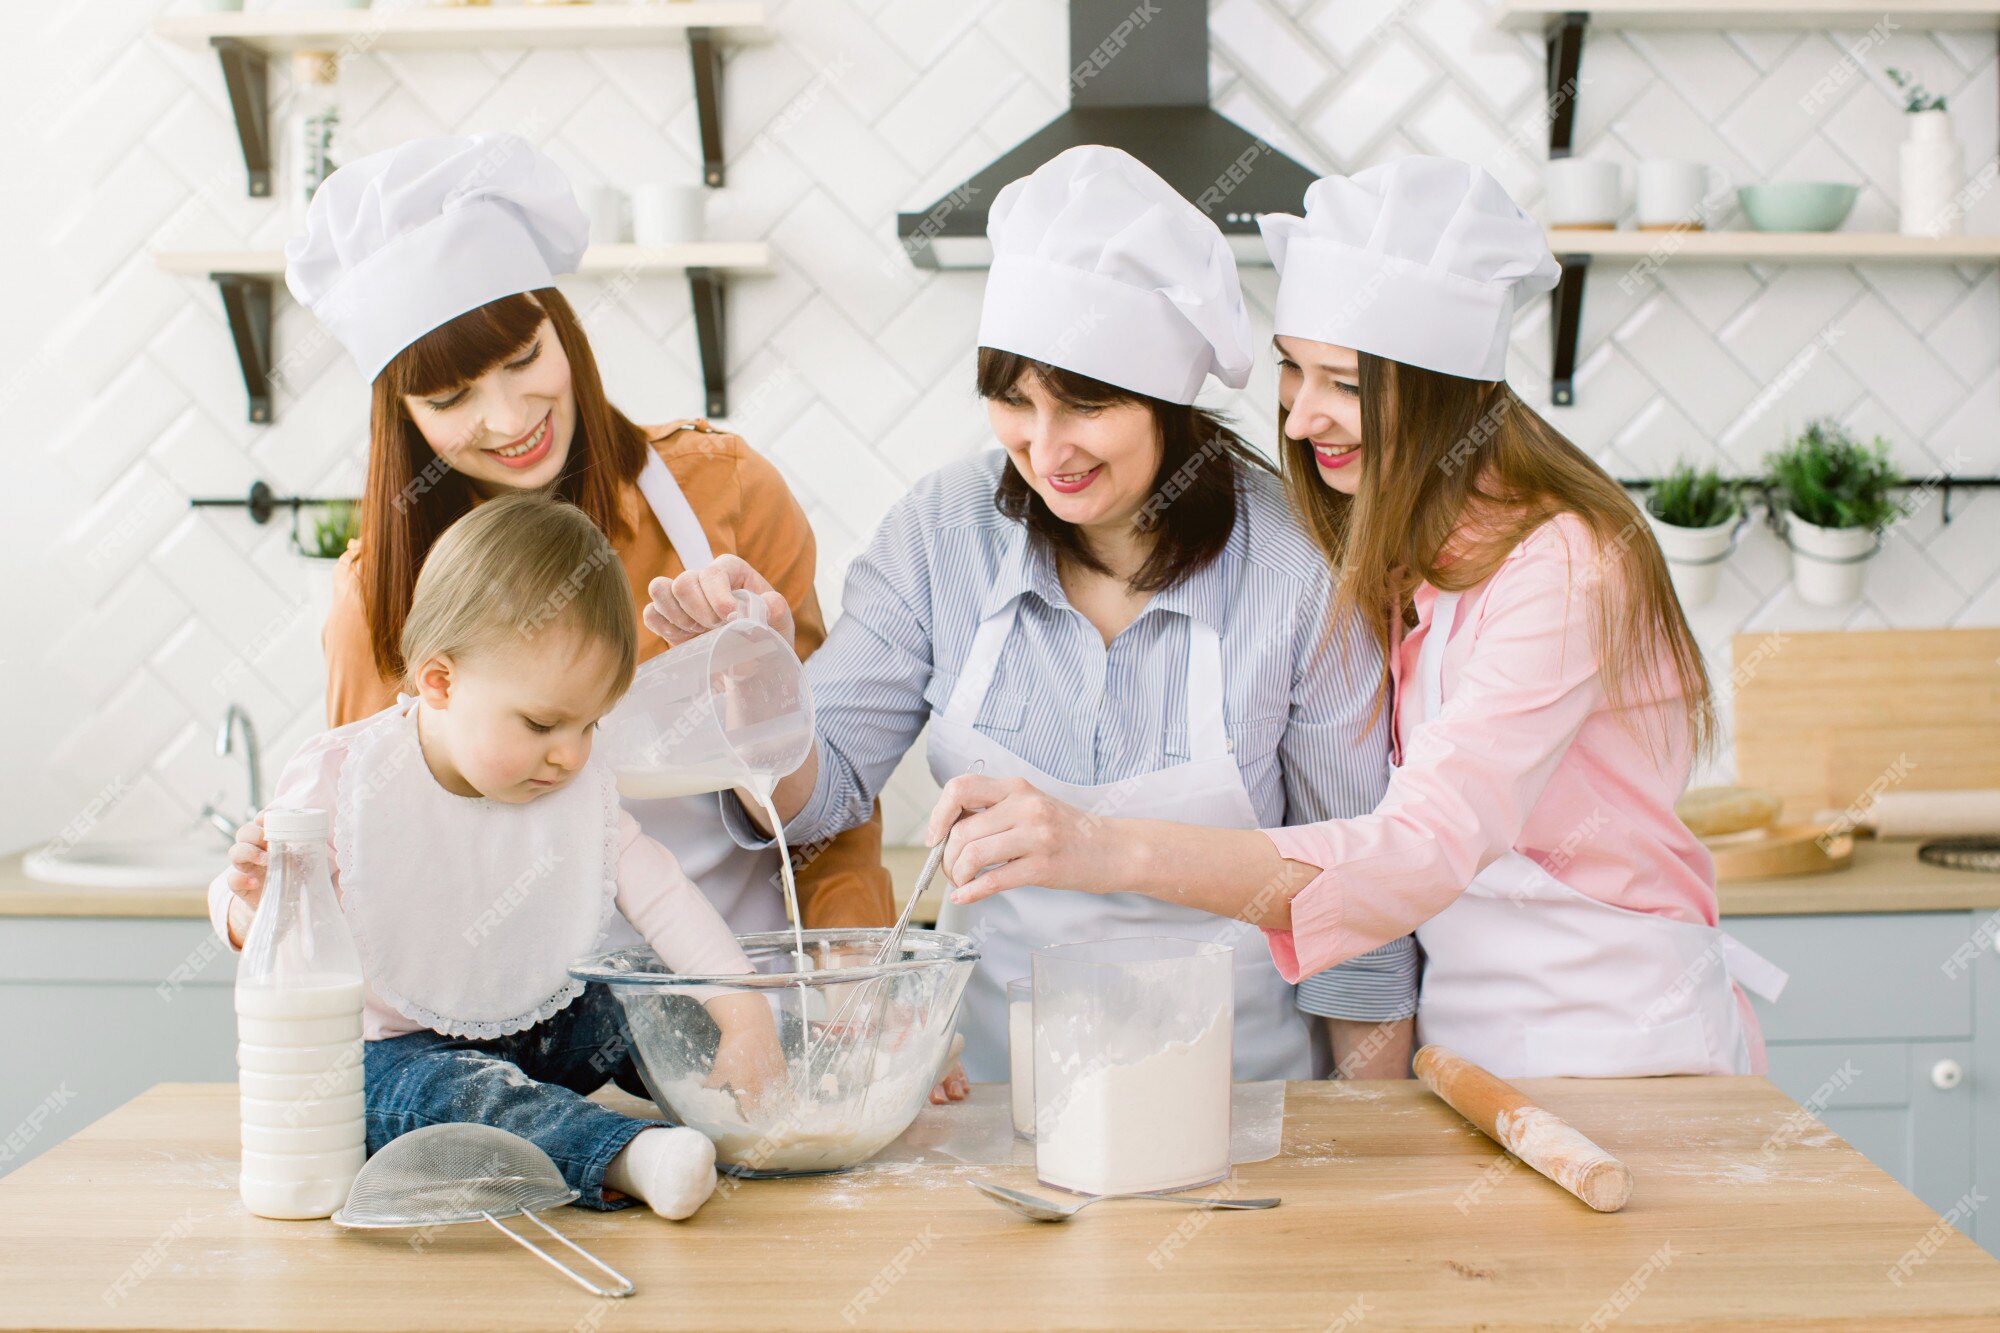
x=746 y=509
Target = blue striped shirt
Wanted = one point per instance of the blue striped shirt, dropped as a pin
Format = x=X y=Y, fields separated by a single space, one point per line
x=1296 y=704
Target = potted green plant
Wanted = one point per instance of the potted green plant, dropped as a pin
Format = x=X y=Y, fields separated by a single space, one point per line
x=1695 y=515
x=335 y=525
x=321 y=542
x=1832 y=495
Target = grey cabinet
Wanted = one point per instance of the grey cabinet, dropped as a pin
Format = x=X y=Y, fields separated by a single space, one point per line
x=1890 y=1032
x=96 y=1011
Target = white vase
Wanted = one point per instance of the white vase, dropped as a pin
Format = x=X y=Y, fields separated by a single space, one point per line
x=1933 y=173
x=1828 y=563
x=1694 y=556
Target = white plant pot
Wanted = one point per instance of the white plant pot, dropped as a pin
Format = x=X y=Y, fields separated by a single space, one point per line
x=1933 y=173
x=1828 y=563
x=1694 y=556
x=319 y=585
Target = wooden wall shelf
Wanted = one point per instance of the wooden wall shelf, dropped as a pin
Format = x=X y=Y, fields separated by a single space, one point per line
x=248 y=279
x=245 y=43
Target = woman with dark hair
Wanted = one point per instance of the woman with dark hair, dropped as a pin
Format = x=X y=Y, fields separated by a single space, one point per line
x=1119 y=607
x=433 y=263
x=1547 y=695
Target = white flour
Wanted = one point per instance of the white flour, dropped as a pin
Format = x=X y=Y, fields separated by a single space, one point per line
x=1021 y=1064
x=1158 y=1123
x=810 y=1134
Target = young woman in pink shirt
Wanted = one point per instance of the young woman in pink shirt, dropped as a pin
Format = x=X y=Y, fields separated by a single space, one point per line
x=1547 y=696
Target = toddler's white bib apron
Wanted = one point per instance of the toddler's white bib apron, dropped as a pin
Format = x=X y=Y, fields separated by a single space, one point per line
x=467 y=912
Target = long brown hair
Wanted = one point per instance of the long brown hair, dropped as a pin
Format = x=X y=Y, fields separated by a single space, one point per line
x=1192 y=508
x=1455 y=473
x=412 y=495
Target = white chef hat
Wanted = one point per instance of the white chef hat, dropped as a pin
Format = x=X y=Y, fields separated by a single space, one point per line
x=1421 y=260
x=405 y=240
x=1100 y=267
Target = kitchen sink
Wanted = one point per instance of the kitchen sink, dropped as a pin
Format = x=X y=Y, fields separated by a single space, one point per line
x=129 y=865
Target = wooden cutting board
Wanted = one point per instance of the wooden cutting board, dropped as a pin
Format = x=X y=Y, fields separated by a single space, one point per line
x=1782 y=849
x=1822 y=717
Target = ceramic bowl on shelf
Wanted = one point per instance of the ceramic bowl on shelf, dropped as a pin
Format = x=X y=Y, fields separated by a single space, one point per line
x=1797 y=205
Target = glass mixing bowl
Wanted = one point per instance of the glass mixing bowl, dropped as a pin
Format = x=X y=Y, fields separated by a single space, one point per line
x=863 y=1045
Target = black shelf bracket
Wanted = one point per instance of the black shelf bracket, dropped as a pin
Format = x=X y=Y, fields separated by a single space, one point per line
x=1565 y=47
x=705 y=290
x=1568 y=318
x=246 y=302
x=1565 y=58
x=245 y=72
x=706 y=54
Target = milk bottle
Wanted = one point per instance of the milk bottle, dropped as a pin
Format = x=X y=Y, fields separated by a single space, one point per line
x=298 y=1029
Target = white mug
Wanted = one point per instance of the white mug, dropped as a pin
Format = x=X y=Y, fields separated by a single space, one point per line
x=1679 y=194
x=607 y=216
x=1584 y=193
x=667 y=214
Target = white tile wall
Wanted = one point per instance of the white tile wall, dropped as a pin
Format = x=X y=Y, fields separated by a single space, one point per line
x=133 y=620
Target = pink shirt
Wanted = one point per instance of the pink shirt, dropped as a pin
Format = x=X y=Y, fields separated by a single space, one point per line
x=1527 y=756
x=662 y=903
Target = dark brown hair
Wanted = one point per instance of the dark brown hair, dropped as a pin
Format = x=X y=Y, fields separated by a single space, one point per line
x=1193 y=503
x=412 y=496
x=1455 y=473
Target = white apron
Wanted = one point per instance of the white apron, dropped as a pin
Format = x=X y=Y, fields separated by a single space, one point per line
x=1528 y=977
x=743 y=885
x=1272 y=1039
x=467 y=912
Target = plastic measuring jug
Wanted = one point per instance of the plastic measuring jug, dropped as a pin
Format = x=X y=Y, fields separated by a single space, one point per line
x=730 y=708
x=1132 y=1064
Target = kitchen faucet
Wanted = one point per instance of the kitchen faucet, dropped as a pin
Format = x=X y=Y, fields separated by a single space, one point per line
x=225 y=743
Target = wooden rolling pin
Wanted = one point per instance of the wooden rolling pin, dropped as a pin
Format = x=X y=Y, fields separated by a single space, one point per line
x=1503 y=1114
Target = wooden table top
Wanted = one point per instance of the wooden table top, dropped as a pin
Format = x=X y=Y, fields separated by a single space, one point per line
x=1397 y=1214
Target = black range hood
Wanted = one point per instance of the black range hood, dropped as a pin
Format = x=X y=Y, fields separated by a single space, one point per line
x=1138 y=81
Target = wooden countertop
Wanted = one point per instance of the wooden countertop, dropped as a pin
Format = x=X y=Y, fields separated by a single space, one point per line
x=1397 y=1214
x=22 y=896
x=1884 y=877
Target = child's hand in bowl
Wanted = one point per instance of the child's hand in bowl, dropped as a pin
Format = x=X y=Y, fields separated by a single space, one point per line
x=748 y=1060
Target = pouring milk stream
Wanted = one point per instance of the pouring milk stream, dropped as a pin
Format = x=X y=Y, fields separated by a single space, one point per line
x=730 y=708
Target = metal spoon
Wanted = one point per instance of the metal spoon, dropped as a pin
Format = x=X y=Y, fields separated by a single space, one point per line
x=1041 y=1210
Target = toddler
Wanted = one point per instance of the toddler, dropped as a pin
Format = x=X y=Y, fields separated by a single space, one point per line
x=478 y=850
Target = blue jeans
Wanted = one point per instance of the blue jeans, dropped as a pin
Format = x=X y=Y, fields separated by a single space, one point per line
x=534 y=1083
